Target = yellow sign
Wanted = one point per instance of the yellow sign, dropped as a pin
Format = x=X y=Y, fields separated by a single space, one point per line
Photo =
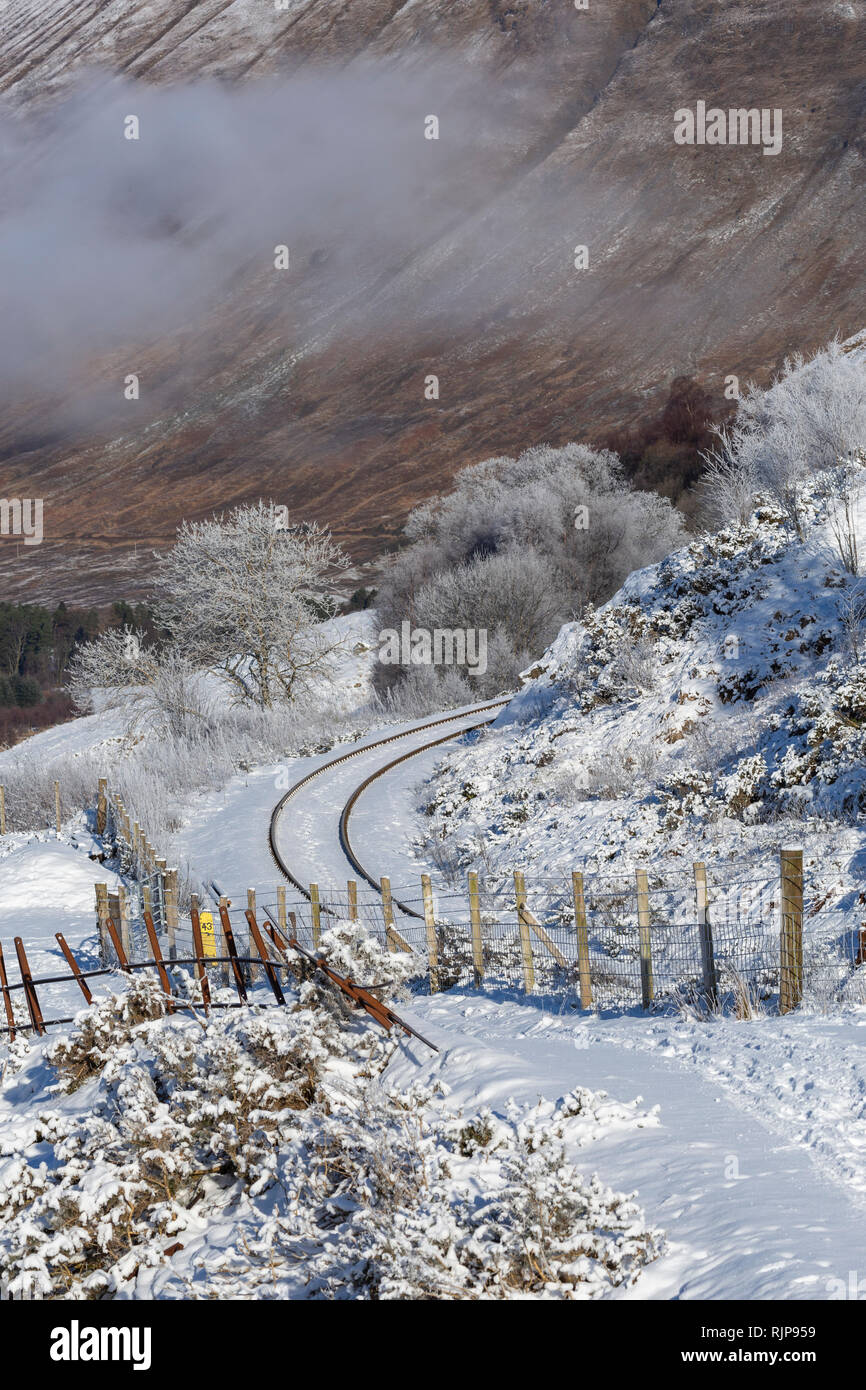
x=208 y=934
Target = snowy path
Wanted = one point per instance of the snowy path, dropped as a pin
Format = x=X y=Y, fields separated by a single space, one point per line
x=734 y=1180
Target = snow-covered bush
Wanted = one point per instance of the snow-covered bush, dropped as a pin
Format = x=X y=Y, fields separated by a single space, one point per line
x=811 y=418
x=260 y=1154
x=350 y=949
x=520 y=546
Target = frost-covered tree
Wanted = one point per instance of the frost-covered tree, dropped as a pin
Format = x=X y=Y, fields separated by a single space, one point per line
x=154 y=684
x=811 y=419
x=240 y=596
x=243 y=595
x=521 y=546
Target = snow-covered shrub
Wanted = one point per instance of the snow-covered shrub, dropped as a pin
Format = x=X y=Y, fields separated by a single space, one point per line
x=810 y=419
x=351 y=950
x=746 y=784
x=258 y=1154
x=518 y=547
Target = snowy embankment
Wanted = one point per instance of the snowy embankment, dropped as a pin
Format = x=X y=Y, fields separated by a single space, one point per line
x=713 y=709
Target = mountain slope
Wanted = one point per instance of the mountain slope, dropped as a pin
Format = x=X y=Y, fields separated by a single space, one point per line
x=705 y=260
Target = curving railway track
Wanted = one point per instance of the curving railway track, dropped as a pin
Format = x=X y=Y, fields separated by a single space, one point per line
x=490 y=708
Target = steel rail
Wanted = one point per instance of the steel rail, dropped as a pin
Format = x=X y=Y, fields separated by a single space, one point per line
x=283 y=867
x=345 y=843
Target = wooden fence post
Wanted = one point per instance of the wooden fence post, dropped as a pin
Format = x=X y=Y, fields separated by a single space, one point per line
x=388 y=912
x=352 y=891
x=475 y=922
x=281 y=909
x=57 y=805
x=2 y=810
x=643 y=921
x=583 y=964
x=525 y=939
x=102 y=919
x=101 y=806
x=159 y=870
x=430 y=929
x=394 y=939
x=705 y=930
x=791 y=930
x=315 y=914
x=171 y=917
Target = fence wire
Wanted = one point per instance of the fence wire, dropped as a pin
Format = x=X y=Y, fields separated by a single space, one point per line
x=665 y=963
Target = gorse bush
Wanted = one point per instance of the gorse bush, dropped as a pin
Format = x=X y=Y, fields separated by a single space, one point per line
x=519 y=547
x=262 y=1154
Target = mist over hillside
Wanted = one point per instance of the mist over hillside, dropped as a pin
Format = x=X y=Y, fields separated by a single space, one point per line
x=409 y=257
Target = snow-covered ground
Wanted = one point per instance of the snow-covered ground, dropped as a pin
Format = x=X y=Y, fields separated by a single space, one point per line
x=47 y=886
x=747 y=1148
x=755 y=1166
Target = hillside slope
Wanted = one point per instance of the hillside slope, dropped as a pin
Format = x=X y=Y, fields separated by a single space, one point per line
x=714 y=709
x=560 y=123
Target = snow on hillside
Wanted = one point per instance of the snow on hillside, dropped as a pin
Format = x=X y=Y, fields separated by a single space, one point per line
x=713 y=709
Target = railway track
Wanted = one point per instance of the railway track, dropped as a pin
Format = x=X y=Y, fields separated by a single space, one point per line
x=345 y=843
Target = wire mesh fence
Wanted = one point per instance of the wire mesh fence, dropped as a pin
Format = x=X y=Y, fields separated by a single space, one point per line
x=701 y=936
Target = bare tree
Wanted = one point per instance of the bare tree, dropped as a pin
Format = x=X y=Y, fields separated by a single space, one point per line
x=154 y=685
x=243 y=595
x=728 y=484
